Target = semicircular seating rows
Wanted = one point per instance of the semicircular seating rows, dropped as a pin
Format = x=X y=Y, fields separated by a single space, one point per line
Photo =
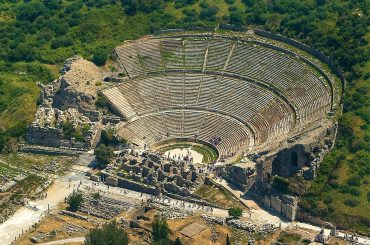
x=237 y=92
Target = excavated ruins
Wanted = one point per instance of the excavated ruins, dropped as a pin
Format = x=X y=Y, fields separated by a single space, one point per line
x=244 y=96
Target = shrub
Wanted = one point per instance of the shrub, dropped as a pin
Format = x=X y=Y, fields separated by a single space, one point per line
x=345 y=189
x=161 y=231
x=235 y=212
x=178 y=241
x=328 y=200
x=104 y=155
x=30 y=11
x=102 y=101
x=230 y=1
x=209 y=13
x=74 y=201
x=68 y=130
x=109 y=137
x=334 y=184
x=331 y=208
x=100 y=56
x=203 y=5
x=110 y=233
x=351 y=202
x=96 y=196
x=281 y=184
x=289 y=238
x=355 y=192
x=354 y=181
x=61 y=42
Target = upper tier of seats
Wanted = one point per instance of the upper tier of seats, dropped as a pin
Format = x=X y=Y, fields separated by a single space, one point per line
x=269 y=92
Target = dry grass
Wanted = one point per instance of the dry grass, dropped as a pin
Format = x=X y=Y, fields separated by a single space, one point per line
x=219 y=196
x=55 y=222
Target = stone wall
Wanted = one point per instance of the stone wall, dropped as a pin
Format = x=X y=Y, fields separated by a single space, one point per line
x=129 y=184
x=240 y=175
x=279 y=203
x=47 y=129
x=301 y=153
x=49 y=150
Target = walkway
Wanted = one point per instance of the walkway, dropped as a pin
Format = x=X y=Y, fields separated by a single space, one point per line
x=64 y=241
x=25 y=217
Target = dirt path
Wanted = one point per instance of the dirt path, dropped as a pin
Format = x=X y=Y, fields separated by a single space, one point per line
x=64 y=241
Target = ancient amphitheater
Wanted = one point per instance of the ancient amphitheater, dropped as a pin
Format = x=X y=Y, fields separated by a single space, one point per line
x=262 y=105
x=236 y=94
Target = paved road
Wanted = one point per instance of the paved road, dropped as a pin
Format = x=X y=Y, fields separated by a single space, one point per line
x=24 y=218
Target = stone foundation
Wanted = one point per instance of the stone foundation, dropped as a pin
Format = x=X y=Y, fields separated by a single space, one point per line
x=281 y=204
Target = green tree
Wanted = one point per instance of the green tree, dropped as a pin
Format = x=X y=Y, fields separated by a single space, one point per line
x=68 y=130
x=102 y=101
x=96 y=196
x=281 y=184
x=30 y=11
x=178 y=241
x=74 y=201
x=109 y=234
x=161 y=232
x=228 y=240
x=235 y=212
x=104 y=155
x=109 y=137
x=100 y=56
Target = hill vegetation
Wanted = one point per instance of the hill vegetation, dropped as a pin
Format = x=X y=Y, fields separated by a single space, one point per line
x=37 y=36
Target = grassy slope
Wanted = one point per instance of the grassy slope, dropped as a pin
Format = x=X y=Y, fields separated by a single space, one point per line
x=18 y=99
x=219 y=196
x=347 y=165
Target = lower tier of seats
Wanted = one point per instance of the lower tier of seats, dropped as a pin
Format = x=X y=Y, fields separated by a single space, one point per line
x=227 y=134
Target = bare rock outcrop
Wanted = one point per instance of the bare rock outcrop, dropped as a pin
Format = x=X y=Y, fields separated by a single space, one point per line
x=78 y=84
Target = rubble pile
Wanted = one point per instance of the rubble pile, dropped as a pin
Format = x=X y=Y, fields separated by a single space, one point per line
x=73 y=228
x=42 y=236
x=213 y=219
x=52 y=125
x=69 y=99
x=263 y=229
x=173 y=214
x=214 y=235
x=103 y=207
x=52 y=166
x=243 y=225
x=9 y=180
x=74 y=215
x=167 y=211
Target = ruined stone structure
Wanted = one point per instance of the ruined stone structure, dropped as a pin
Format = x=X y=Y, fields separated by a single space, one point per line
x=281 y=204
x=241 y=175
x=150 y=173
x=48 y=129
x=302 y=153
x=68 y=103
